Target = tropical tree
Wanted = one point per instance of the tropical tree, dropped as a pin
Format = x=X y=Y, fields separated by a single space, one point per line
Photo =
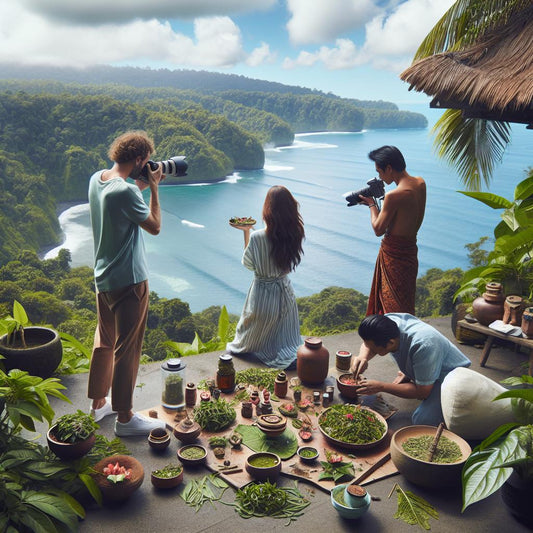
x=474 y=146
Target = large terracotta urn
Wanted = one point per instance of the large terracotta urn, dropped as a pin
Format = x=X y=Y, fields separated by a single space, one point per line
x=312 y=362
x=490 y=306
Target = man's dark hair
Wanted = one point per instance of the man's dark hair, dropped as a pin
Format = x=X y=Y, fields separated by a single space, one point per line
x=379 y=329
x=388 y=155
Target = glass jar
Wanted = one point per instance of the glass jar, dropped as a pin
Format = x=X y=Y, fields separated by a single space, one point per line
x=173 y=384
x=226 y=373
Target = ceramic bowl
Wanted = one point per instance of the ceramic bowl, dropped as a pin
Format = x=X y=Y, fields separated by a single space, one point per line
x=272 y=425
x=189 y=461
x=117 y=492
x=263 y=473
x=305 y=458
x=187 y=431
x=166 y=482
x=345 y=389
x=350 y=446
x=159 y=439
x=422 y=472
x=345 y=509
x=68 y=451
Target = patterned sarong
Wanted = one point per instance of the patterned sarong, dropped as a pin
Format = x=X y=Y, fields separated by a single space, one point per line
x=394 y=283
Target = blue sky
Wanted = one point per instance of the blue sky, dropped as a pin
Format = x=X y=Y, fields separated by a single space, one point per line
x=352 y=48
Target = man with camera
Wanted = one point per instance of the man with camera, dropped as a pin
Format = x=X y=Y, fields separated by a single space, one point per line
x=118 y=214
x=394 y=284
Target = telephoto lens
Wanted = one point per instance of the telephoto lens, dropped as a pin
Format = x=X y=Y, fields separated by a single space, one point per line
x=175 y=166
x=376 y=189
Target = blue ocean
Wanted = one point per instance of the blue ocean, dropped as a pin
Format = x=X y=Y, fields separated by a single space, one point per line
x=197 y=255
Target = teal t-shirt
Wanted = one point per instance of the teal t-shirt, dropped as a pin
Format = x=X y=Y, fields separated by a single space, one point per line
x=117 y=208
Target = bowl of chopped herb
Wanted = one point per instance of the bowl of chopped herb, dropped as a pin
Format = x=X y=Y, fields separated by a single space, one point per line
x=192 y=454
x=410 y=451
x=168 y=477
x=352 y=427
x=307 y=454
x=263 y=466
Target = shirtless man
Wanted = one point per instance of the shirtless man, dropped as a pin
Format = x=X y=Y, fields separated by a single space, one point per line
x=394 y=283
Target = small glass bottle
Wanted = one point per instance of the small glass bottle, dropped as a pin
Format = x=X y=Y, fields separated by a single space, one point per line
x=173 y=378
x=226 y=373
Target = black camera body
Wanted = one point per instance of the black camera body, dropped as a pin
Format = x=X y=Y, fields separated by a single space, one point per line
x=375 y=189
x=175 y=166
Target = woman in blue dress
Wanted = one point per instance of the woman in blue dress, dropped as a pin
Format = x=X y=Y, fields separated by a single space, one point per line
x=269 y=326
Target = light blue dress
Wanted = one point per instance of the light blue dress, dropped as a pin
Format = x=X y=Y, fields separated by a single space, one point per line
x=269 y=327
x=426 y=357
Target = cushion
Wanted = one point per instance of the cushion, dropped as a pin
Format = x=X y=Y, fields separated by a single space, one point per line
x=467 y=406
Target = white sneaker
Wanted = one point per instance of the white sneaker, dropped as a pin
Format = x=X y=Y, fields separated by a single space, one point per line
x=138 y=425
x=103 y=411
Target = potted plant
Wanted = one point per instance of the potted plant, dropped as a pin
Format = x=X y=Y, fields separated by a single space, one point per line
x=73 y=435
x=34 y=349
x=505 y=458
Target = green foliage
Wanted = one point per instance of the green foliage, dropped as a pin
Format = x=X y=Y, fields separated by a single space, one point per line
x=435 y=291
x=14 y=325
x=509 y=447
x=74 y=427
x=413 y=509
x=510 y=262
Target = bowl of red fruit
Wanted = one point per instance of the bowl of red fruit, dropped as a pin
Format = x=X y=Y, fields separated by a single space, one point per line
x=348 y=385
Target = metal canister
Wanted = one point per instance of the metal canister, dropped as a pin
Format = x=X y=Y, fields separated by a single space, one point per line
x=343 y=360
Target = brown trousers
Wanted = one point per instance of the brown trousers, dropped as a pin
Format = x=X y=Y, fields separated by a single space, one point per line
x=118 y=340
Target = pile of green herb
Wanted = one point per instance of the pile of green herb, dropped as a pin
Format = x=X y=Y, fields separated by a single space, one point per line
x=263 y=378
x=168 y=471
x=206 y=489
x=418 y=447
x=413 y=509
x=214 y=415
x=267 y=499
x=352 y=424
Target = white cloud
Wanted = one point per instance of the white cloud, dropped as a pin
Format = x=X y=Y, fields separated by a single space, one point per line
x=345 y=55
x=121 y=11
x=217 y=42
x=260 y=56
x=316 y=21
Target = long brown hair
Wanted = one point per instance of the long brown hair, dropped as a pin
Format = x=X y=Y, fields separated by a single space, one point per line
x=285 y=227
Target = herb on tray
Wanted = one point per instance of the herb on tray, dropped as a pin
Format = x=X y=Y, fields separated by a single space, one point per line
x=214 y=415
x=267 y=499
x=168 y=471
x=352 y=424
x=335 y=468
x=215 y=442
x=206 y=489
x=263 y=378
x=418 y=447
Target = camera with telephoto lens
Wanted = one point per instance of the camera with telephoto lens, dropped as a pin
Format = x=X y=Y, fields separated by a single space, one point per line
x=175 y=166
x=375 y=189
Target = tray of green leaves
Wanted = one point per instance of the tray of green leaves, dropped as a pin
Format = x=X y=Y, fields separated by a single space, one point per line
x=214 y=415
x=262 y=378
x=352 y=427
x=267 y=499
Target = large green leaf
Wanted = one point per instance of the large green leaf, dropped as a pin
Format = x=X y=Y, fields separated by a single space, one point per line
x=524 y=189
x=482 y=472
x=223 y=324
x=490 y=199
x=525 y=394
x=285 y=445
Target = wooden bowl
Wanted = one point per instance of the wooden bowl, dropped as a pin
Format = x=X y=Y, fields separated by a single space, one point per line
x=189 y=461
x=424 y=473
x=68 y=451
x=263 y=473
x=159 y=439
x=351 y=446
x=117 y=492
x=345 y=389
x=166 y=482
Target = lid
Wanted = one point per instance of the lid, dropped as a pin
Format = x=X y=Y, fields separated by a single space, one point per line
x=226 y=357
x=356 y=490
x=173 y=365
x=313 y=342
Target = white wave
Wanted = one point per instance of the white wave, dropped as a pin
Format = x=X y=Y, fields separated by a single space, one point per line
x=175 y=284
x=276 y=168
x=192 y=224
x=329 y=133
x=232 y=178
x=303 y=145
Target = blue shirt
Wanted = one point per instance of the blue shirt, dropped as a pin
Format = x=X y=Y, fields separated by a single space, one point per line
x=424 y=355
x=117 y=208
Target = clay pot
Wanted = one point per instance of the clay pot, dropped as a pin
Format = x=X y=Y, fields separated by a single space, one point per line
x=516 y=495
x=118 y=492
x=69 y=451
x=527 y=322
x=281 y=385
x=187 y=430
x=166 y=482
x=159 y=439
x=312 y=361
x=513 y=308
x=263 y=473
x=490 y=306
x=347 y=390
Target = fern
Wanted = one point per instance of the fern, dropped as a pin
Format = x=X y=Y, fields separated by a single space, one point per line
x=413 y=509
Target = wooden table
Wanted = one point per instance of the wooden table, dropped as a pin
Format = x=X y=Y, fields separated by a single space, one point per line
x=493 y=334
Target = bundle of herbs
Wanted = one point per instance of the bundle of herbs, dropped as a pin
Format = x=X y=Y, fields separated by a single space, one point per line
x=447 y=451
x=267 y=499
x=262 y=378
x=214 y=415
x=206 y=489
x=352 y=424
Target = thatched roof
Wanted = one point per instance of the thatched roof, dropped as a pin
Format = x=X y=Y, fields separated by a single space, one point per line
x=492 y=78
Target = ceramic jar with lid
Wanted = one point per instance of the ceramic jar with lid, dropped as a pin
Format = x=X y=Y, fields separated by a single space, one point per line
x=312 y=361
x=187 y=430
x=281 y=385
x=490 y=306
x=226 y=373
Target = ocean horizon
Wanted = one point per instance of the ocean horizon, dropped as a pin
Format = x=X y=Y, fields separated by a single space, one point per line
x=197 y=255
